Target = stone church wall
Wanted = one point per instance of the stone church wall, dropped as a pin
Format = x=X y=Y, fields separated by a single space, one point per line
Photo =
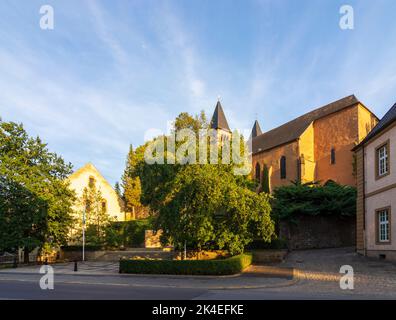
x=315 y=232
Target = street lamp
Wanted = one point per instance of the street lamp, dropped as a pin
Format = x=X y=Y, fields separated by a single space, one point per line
x=83 y=236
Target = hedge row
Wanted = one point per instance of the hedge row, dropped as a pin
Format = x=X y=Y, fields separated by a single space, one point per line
x=227 y=266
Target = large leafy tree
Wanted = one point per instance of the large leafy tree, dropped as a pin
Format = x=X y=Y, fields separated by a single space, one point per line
x=35 y=201
x=204 y=205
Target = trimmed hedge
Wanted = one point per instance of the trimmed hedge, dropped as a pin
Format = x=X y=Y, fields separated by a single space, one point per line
x=227 y=266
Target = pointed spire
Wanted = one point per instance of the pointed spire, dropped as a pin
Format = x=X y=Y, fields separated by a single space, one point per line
x=219 y=120
x=256 y=131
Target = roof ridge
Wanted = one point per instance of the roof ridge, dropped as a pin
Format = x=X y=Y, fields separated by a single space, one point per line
x=292 y=129
x=318 y=109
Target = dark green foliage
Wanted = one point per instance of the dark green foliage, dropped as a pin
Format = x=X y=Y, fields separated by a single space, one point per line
x=35 y=201
x=227 y=266
x=204 y=205
x=127 y=233
x=314 y=199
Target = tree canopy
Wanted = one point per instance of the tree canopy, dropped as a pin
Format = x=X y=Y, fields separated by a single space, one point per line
x=35 y=201
x=204 y=205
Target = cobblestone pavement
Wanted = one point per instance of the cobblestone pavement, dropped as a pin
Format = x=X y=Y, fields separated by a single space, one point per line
x=319 y=272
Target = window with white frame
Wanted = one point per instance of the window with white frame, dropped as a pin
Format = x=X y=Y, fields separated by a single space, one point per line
x=383 y=160
x=383 y=226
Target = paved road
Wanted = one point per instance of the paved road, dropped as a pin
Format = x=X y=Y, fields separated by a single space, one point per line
x=319 y=280
x=31 y=290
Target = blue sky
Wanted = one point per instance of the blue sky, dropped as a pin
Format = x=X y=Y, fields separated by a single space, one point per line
x=110 y=70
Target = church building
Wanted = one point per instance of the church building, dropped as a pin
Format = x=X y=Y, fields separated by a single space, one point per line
x=313 y=147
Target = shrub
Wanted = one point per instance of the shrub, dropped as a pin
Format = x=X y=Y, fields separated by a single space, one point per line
x=313 y=199
x=127 y=233
x=134 y=232
x=227 y=266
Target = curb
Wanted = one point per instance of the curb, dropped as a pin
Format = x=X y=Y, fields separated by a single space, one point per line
x=121 y=275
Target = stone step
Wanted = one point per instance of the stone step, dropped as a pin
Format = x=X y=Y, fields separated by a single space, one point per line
x=147 y=254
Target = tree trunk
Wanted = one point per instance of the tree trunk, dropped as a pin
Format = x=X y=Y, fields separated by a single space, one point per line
x=25 y=255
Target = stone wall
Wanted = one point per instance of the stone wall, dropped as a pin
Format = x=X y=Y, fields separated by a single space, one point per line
x=319 y=232
x=269 y=256
x=152 y=239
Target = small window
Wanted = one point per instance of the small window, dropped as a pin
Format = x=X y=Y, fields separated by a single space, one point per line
x=382 y=160
x=258 y=172
x=383 y=225
x=332 y=156
x=91 y=182
x=283 y=167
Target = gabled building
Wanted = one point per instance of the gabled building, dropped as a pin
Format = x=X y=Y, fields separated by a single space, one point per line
x=87 y=176
x=315 y=146
x=376 y=183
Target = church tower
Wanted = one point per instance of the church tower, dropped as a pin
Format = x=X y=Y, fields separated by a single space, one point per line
x=219 y=123
x=256 y=131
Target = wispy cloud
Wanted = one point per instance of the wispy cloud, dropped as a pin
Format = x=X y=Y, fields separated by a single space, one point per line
x=111 y=71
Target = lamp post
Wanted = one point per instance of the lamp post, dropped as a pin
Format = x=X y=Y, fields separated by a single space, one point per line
x=83 y=236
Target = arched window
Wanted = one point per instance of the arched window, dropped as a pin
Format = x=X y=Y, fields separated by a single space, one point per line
x=258 y=172
x=333 y=156
x=283 y=167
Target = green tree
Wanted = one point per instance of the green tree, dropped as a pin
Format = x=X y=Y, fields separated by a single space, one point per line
x=131 y=182
x=117 y=189
x=204 y=205
x=97 y=218
x=35 y=200
x=186 y=121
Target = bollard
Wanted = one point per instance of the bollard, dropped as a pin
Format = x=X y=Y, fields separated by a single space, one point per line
x=15 y=264
x=75 y=266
